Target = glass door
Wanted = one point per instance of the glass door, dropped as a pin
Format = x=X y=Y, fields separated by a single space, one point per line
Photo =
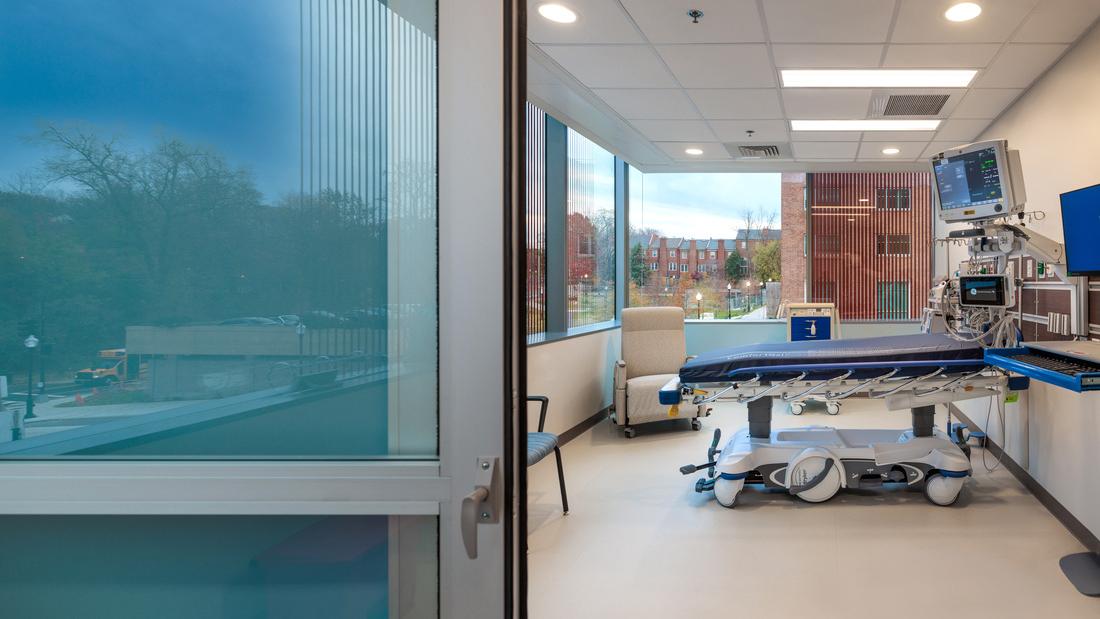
x=252 y=360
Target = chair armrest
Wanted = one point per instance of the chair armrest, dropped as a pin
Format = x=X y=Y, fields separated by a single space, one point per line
x=620 y=374
x=620 y=393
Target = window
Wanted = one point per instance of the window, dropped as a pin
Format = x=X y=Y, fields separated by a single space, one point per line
x=233 y=263
x=893 y=300
x=892 y=244
x=536 y=219
x=672 y=254
x=590 y=232
x=684 y=267
x=713 y=255
x=702 y=268
x=654 y=253
x=702 y=255
x=672 y=266
x=744 y=244
x=892 y=199
x=827 y=243
x=653 y=266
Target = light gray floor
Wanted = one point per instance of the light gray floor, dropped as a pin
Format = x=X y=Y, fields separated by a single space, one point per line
x=641 y=543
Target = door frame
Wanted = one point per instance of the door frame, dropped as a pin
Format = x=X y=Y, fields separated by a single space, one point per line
x=481 y=91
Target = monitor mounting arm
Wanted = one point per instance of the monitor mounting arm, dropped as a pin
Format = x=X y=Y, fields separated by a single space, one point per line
x=1000 y=241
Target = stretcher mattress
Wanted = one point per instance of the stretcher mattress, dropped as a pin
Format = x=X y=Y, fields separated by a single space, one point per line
x=867 y=357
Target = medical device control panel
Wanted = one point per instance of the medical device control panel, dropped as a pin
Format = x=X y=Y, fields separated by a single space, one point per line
x=1061 y=370
x=986 y=291
x=978 y=181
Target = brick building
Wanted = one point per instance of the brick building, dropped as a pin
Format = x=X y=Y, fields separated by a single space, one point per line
x=672 y=258
x=866 y=242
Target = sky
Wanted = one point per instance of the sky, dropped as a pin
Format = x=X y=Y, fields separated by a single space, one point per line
x=216 y=73
x=704 y=205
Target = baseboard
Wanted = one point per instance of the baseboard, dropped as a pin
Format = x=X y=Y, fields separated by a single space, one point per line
x=1059 y=511
x=583 y=426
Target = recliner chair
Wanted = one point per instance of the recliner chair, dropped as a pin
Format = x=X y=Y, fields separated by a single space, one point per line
x=653 y=350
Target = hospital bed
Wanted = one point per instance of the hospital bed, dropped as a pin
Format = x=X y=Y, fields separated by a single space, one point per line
x=910 y=371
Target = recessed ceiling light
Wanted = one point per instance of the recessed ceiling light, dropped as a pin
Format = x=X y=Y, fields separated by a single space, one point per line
x=877 y=78
x=870 y=124
x=694 y=152
x=963 y=11
x=891 y=151
x=557 y=13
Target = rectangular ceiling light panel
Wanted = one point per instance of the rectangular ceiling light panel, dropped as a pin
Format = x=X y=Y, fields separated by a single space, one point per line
x=871 y=124
x=877 y=78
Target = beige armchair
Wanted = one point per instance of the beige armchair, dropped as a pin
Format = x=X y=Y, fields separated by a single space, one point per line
x=653 y=351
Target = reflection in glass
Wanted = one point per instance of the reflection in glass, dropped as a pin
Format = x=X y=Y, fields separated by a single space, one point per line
x=220 y=567
x=590 y=232
x=219 y=219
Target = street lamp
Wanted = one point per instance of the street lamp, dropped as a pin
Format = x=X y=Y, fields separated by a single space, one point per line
x=748 y=297
x=699 y=305
x=31 y=343
x=301 y=331
x=729 y=300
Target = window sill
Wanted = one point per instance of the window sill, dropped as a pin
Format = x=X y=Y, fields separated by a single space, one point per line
x=537 y=339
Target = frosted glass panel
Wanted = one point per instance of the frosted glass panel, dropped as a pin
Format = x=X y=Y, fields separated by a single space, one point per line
x=219 y=567
x=218 y=229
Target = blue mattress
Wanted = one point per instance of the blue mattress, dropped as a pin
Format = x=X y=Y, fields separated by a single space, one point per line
x=868 y=357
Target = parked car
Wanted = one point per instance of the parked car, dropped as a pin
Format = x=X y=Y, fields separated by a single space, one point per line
x=258 y=321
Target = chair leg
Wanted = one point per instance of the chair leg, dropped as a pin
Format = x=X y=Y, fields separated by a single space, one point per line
x=561 y=482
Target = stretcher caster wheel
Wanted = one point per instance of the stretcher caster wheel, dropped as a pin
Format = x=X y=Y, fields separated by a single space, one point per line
x=797 y=408
x=696 y=424
x=628 y=432
x=726 y=491
x=943 y=491
x=814 y=477
x=833 y=408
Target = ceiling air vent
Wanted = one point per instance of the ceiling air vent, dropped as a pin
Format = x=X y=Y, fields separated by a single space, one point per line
x=908 y=105
x=759 y=151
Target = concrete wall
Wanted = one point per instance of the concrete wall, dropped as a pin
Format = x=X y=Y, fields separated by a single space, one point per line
x=1056 y=127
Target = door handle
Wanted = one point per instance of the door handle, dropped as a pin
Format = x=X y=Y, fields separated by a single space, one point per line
x=479 y=507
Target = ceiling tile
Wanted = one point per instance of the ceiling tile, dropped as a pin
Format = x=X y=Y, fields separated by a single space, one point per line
x=826 y=136
x=723 y=21
x=636 y=103
x=612 y=66
x=736 y=104
x=935 y=148
x=811 y=103
x=598 y=21
x=1019 y=64
x=712 y=151
x=985 y=103
x=899 y=136
x=827 y=56
x=674 y=130
x=963 y=130
x=1058 y=21
x=763 y=130
x=922 y=21
x=825 y=150
x=832 y=21
x=719 y=66
x=949 y=56
x=909 y=150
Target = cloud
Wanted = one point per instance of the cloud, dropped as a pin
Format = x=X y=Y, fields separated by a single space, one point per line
x=702 y=205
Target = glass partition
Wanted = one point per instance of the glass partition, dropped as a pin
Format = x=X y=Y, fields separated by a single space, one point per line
x=218 y=229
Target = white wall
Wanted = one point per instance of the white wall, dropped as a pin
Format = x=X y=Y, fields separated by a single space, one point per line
x=1056 y=127
x=577 y=374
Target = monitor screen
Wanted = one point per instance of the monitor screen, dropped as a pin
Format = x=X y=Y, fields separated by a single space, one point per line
x=1080 y=223
x=969 y=180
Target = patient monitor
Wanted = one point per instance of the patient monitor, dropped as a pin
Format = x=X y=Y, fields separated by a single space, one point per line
x=982 y=185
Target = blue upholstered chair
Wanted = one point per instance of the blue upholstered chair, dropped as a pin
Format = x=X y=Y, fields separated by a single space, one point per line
x=540 y=444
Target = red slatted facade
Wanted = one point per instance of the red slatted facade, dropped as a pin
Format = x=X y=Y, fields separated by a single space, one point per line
x=847 y=263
